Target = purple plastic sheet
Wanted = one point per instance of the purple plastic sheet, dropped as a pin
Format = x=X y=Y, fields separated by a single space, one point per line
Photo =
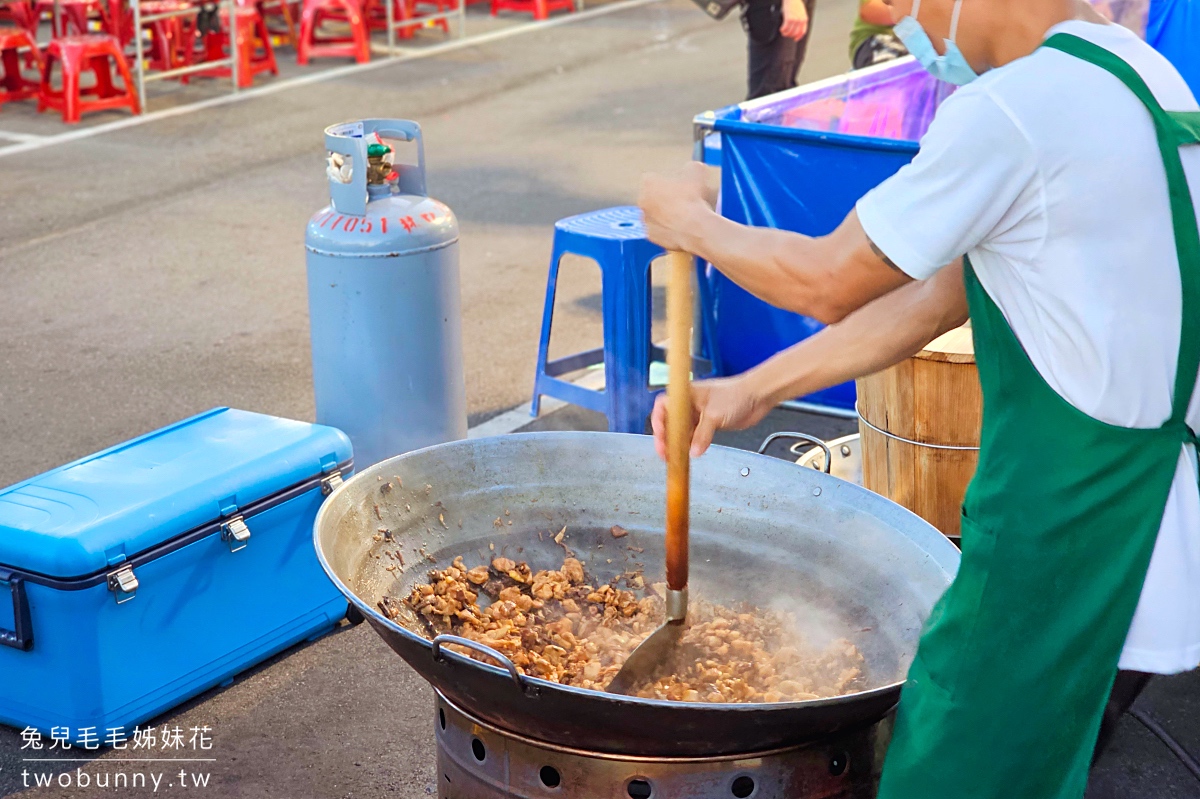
x=895 y=101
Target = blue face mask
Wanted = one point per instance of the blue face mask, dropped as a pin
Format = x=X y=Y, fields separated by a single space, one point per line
x=951 y=67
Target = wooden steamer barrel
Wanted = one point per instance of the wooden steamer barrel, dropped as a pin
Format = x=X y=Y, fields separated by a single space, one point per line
x=920 y=422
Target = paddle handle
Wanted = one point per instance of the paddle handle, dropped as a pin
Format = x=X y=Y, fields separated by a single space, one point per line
x=679 y=415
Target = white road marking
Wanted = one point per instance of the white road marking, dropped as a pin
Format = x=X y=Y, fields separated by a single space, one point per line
x=21 y=137
x=513 y=420
x=37 y=143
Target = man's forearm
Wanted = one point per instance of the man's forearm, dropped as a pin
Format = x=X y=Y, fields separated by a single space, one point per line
x=823 y=277
x=878 y=335
x=753 y=258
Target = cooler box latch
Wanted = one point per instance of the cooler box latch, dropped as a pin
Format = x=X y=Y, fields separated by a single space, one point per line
x=331 y=481
x=123 y=584
x=235 y=533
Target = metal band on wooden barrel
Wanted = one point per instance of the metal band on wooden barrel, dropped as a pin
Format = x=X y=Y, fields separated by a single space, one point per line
x=887 y=434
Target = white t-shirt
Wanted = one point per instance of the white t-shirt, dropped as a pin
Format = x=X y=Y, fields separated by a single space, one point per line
x=1047 y=173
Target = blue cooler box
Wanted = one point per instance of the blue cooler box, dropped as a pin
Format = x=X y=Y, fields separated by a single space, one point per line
x=140 y=576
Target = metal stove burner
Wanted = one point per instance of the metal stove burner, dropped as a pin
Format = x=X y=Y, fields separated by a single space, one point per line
x=479 y=761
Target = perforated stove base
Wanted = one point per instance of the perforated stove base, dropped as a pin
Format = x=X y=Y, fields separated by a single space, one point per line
x=479 y=761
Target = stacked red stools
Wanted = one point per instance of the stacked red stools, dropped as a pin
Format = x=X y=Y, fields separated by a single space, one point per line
x=287 y=11
x=440 y=6
x=170 y=39
x=13 y=84
x=73 y=15
x=312 y=45
x=253 y=51
x=540 y=9
x=20 y=13
x=376 y=13
x=99 y=53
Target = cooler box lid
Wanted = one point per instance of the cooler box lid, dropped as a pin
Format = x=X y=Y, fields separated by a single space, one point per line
x=83 y=518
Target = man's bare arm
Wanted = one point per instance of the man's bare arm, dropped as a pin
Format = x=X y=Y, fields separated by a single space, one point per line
x=872 y=338
x=824 y=277
x=876 y=336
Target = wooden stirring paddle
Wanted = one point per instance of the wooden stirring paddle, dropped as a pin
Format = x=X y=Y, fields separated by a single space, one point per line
x=654 y=650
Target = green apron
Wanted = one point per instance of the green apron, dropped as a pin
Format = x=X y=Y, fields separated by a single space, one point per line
x=1005 y=695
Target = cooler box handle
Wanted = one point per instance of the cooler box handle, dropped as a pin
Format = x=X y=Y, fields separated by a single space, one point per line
x=21 y=635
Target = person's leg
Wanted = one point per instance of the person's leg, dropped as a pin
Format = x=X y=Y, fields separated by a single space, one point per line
x=1126 y=689
x=759 y=19
x=774 y=60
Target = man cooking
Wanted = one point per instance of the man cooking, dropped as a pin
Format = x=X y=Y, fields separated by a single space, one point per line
x=1051 y=203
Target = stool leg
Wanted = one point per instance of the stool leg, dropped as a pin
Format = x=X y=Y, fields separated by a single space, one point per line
x=306 y=33
x=708 y=323
x=242 y=47
x=122 y=68
x=626 y=301
x=12 y=71
x=289 y=22
x=44 y=91
x=268 y=56
x=71 y=70
x=547 y=324
x=100 y=68
x=362 y=42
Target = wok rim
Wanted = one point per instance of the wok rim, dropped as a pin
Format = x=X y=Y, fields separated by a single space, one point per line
x=541 y=684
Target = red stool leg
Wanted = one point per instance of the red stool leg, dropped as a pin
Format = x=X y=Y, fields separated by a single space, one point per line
x=268 y=56
x=44 y=91
x=241 y=48
x=359 y=31
x=122 y=67
x=12 y=72
x=78 y=17
x=71 y=68
x=98 y=64
x=307 y=29
x=160 y=52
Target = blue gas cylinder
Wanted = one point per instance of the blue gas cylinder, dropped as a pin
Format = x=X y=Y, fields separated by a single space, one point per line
x=383 y=298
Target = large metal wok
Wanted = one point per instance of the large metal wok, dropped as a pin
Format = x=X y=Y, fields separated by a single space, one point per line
x=764 y=531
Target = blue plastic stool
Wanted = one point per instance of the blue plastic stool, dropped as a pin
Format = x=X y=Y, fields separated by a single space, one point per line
x=614 y=238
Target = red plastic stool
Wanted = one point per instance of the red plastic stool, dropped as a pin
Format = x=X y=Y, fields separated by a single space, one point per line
x=75 y=54
x=282 y=9
x=13 y=84
x=539 y=8
x=74 y=15
x=375 y=12
x=441 y=6
x=254 y=52
x=21 y=13
x=170 y=44
x=357 y=45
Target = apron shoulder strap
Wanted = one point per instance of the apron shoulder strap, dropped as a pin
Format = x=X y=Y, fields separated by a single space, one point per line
x=1187 y=124
x=1174 y=130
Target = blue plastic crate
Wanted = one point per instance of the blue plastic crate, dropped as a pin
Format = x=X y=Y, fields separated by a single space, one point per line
x=154 y=570
x=800 y=160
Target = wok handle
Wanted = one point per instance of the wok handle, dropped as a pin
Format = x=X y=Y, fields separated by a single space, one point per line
x=762 y=448
x=482 y=649
x=679 y=415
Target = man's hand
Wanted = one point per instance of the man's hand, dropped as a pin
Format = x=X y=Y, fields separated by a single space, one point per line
x=671 y=204
x=728 y=403
x=795 y=19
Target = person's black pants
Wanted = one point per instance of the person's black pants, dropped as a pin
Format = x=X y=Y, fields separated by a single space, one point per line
x=1126 y=688
x=774 y=59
